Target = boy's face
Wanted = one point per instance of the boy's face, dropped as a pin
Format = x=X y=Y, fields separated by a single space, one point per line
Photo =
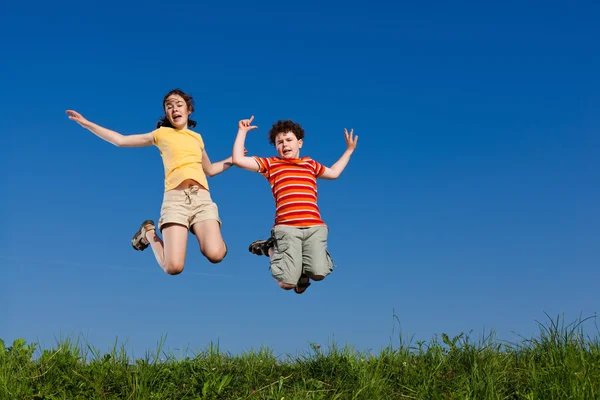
x=287 y=145
x=177 y=111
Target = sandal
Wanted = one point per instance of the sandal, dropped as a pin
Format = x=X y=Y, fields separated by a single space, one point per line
x=261 y=247
x=303 y=283
x=139 y=241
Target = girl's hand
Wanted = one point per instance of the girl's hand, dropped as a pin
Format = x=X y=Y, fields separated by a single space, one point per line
x=244 y=125
x=75 y=116
x=350 y=141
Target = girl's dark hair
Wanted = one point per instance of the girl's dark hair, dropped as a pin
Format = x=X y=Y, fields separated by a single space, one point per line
x=285 y=126
x=189 y=100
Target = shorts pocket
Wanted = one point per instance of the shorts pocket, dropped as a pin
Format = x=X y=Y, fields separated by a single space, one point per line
x=282 y=241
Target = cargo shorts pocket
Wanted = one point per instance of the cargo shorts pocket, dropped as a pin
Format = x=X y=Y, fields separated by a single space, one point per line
x=280 y=246
x=285 y=265
x=282 y=241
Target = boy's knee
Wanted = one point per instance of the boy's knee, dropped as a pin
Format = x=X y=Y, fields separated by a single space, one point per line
x=317 y=277
x=286 y=286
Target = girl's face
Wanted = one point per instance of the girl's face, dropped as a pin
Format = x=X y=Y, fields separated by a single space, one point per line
x=177 y=112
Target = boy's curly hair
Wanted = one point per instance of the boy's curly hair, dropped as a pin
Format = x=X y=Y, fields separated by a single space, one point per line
x=189 y=100
x=285 y=126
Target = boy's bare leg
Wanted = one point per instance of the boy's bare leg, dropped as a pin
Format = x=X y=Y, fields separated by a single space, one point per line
x=170 y=253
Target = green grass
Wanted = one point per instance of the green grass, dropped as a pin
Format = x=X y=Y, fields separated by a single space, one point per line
x=559 y=363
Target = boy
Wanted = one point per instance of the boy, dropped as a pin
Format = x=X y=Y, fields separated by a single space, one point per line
x=298 y=243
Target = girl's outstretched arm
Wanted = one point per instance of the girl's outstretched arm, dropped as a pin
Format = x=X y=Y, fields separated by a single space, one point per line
x=139 y=140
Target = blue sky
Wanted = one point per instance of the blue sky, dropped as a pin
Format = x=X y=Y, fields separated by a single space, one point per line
x=470 y=204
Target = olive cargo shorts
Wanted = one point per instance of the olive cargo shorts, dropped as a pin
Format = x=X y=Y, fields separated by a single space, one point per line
x=299 y=250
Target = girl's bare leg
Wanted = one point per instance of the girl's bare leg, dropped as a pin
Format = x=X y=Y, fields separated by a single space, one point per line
x=170 y=253
x=211 y=243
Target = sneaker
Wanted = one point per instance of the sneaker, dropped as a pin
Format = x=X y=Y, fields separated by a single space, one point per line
x=261 y=247
x=139 y=241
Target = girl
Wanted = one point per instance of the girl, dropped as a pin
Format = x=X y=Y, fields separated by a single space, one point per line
x=187 y=204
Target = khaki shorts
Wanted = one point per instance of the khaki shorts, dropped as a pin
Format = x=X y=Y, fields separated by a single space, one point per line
x=187 y=207
x=299 y=250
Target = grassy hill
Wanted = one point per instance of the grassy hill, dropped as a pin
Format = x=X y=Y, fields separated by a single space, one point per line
x=560 y=363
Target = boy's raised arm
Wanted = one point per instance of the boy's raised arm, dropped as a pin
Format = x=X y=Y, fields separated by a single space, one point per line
x=238 y=157
x=336 y=169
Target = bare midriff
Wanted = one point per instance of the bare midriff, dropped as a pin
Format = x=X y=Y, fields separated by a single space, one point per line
x=189 y=183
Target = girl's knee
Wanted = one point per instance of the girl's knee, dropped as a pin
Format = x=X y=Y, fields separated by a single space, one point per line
x=215 y=258
x=174 y=267
x=215 y=254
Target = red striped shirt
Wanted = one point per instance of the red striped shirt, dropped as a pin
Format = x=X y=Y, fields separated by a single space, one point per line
x=294 y=186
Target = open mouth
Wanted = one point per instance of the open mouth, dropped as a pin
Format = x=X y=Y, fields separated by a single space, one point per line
x=177 y=117
x=287 y=152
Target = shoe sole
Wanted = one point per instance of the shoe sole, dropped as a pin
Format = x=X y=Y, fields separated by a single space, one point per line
x=256 y=247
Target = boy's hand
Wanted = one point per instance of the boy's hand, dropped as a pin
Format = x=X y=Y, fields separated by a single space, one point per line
x=244 y=124
x=350 y=141
x=75 y=116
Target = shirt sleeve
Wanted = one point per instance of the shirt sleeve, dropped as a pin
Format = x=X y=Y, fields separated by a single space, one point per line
x=202 y=145
x=318 y=167
x=263 y=165
x=156 y=135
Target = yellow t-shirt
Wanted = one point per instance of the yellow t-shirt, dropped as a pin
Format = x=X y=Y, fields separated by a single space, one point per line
x=181 y=151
